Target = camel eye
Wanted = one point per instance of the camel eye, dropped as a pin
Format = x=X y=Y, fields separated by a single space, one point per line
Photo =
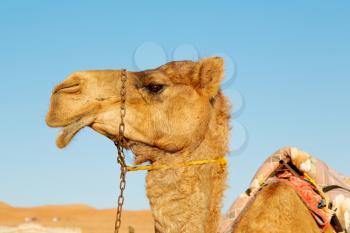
x=154 y=88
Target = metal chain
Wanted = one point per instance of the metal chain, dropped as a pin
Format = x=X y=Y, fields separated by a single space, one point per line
x=120 y=143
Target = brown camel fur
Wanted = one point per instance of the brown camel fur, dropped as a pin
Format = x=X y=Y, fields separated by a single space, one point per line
x=277 y=208
x=174 y=113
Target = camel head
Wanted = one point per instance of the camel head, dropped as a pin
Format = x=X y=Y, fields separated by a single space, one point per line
x=167 y=108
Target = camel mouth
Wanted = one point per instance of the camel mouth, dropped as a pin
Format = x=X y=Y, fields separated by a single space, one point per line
x=69 y=131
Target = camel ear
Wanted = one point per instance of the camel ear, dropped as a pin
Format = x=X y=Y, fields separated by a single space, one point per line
x=211 y=73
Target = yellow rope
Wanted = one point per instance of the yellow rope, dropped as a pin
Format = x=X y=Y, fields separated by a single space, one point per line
x=312 y=181
x=328 y=211
x=221 y=161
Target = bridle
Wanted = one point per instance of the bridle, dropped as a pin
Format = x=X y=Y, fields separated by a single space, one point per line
x=120 y=143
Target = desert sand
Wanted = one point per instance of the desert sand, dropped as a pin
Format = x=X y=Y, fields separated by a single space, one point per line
x=89 y=219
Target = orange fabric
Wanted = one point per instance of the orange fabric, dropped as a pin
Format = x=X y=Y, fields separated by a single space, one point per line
x=308 y=193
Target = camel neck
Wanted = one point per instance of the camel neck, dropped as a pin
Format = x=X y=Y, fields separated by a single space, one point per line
x=188 y=199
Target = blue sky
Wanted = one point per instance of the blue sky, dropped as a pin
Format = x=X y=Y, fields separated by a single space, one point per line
x=292 y=69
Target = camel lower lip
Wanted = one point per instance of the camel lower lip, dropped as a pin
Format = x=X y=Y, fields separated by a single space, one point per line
x=68 y=132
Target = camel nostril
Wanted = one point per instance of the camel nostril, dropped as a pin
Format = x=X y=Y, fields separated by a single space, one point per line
x=67 y=88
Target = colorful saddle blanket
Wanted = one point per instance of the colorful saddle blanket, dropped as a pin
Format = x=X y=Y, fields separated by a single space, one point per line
x=315 y=175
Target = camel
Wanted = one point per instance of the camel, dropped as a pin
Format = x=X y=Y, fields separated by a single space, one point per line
x=175 y=113
x=277 y=208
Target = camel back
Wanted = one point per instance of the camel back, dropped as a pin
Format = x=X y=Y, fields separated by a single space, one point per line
x=317 y=171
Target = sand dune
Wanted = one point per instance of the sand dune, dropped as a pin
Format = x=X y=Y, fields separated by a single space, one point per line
x=89 y=219
x=3 y=205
